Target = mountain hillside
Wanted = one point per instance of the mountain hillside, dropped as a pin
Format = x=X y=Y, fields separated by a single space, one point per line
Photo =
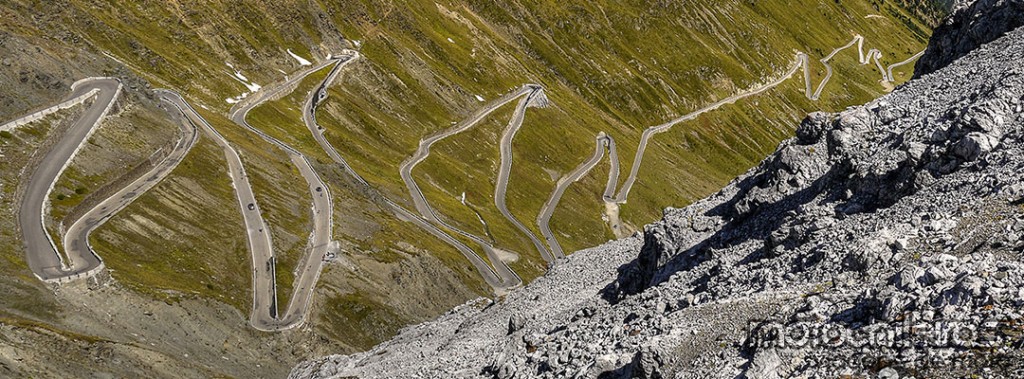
x=731 y=78
x=882 y=241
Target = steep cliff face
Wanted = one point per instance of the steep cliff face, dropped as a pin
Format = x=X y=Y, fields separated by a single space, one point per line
x=884 y=240
x=971 y=25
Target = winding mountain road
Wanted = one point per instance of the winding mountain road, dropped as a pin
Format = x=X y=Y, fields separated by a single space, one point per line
x=863 y=59
x=266 y=316
x=602 y=142
x=257 y=234
x=505 y=169
x=612 y=201
x=423 y=151
x=80 y=261
x=500 y=277
x=76 y=238
x=309 y=114
x=889 y=76
x=42 y=254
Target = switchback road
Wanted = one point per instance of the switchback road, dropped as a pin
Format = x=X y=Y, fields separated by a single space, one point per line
x=76 y=239
x=500 y=278
x=265 y=310
x=42 y=254
x=501 y=186
x=47 y=262
x=423 y=151
x=257 y=233
x=612 y=201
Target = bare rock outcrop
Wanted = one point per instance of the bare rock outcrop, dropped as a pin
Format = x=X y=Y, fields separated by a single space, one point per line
x=972 y=24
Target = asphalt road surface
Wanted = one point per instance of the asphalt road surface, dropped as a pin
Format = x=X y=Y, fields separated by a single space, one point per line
x=423 y=152
x=612 y=200
x=505 y=169
x=257 y=233
x=889 y=76
x=76 y=239
x=863 y=58
x=602 y=142
x=79 y=260
x=41 y=253
x=266 y=315
x=499 y=282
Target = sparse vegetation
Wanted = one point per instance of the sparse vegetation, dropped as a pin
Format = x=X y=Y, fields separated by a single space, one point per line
x=608 y=66
x=169 y=262
x=592 y=91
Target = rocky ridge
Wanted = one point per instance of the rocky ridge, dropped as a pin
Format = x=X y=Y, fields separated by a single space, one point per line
x=972 y=24
x=882 y=241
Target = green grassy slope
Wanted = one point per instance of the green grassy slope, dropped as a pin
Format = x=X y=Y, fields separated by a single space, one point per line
x=608 y=66
x=148 y=249
x=616 y=67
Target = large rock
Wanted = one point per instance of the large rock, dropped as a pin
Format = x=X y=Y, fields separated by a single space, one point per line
x=810 y=130
x=975 y=145
x=969 y=27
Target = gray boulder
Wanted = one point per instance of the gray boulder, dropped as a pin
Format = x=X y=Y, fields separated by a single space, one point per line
x=969 y=27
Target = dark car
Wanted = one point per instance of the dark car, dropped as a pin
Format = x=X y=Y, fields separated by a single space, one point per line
x=252 y=206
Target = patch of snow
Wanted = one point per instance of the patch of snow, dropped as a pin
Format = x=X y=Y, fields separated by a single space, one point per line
x=450 y=40
x=253 y=87
x=357 y=43
x=302 y=61
x=236 y=99
x=479 y=98
x=463 y=200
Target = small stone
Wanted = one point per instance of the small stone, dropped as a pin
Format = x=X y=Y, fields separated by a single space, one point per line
x=647 y=363
x=765 y=365
x=516 y=322
x=901 y=244
x=909 y=278
x=605 y=363
x=660 y=307
x=935 y=275
x=856 y=118
x=916 y=150
x=888 y=373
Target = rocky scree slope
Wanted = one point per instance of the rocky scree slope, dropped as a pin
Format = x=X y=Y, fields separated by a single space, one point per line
x=897 y=220
x=973 y=23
